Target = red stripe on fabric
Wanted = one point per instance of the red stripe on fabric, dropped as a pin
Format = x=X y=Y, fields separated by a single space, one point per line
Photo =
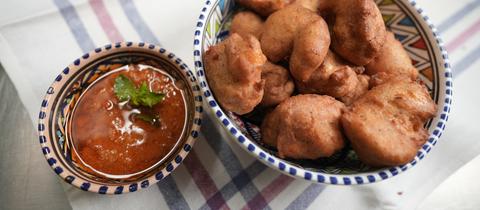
x=460 y=39
x=204 y=182
x=269 y=192
x=196 y=169
x=105 y=21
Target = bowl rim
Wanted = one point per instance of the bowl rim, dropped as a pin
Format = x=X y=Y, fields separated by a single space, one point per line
x=47 y=109
x=314 y=176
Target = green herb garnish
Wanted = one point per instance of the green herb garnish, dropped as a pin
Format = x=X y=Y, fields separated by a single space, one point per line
x=125 y=90
x=152 y=119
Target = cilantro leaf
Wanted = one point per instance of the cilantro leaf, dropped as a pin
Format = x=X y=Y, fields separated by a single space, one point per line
x=152 y=119
x=125 y=90
x=148 y=98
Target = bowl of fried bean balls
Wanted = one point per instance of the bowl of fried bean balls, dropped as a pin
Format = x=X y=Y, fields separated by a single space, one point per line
x=340 y=92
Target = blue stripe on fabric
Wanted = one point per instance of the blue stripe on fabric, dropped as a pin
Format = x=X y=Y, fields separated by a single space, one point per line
x=449 y=22
x=466 y=62
x=241 y=180
x=167 y=186
x=229 y=190
x=169 y=189
x=173 y=197
x=75 y=25
x=307 y=197
x=137 y=22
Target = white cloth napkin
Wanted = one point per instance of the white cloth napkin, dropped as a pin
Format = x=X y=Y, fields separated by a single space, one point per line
x=37 y=41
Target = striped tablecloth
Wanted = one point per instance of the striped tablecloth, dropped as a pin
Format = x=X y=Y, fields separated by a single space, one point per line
x=39 y=37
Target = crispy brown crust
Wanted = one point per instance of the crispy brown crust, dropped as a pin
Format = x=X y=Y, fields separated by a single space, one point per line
x=337 y=79
x=393 y=62
x=265 y=7
x=233 y=69
x=385 y=126
x=358 y=32
x=247 y=23
x=310 y=47
x=280 y=29
x=305 y=127
x=278 y=84
x=309 y=4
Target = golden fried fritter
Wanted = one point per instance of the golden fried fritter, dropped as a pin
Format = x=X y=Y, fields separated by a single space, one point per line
x=245 y=23
x=358 y=91
x=233 y=68
x=270 y=128
x=393 y=62
x=385 y=126
x=337 y=79
x=358 y=30
x=305 y=127
x=310 y=47
x=280 y=28
x=309 y=4
x=278 y=84
x=265 y=7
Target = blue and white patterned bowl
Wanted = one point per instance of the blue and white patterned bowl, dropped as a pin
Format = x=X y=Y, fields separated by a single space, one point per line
x=411 y=27
x=62 y=95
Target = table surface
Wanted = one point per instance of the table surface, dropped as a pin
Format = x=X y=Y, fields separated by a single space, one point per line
x=21 y=163
x=28 y=167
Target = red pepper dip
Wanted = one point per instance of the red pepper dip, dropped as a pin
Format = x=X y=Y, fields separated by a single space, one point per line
x=117 y=137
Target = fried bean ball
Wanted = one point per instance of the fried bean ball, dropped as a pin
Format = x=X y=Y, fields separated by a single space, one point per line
x=337 y=79
x=234 y=68
x=385 y=126
x=358 y=91
x=358 y=31
x=309 y=4
x=245 y=23
x=310 y=47
x=265 y=7
x=393 y=62
x=305 y=127
x=280 y=29
x=278 y=84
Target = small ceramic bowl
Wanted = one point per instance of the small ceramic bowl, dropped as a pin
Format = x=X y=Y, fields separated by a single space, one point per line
x=64 y=92
x=411 y=27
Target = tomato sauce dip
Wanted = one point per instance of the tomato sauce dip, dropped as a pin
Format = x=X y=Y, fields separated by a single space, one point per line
x=108 y=135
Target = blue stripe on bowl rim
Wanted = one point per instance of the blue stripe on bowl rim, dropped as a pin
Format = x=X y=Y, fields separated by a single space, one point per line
x=46 y=140
x=285 y=167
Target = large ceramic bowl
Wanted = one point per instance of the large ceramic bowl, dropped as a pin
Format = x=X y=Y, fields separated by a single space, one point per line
x=419 y=37
x=63 y=94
